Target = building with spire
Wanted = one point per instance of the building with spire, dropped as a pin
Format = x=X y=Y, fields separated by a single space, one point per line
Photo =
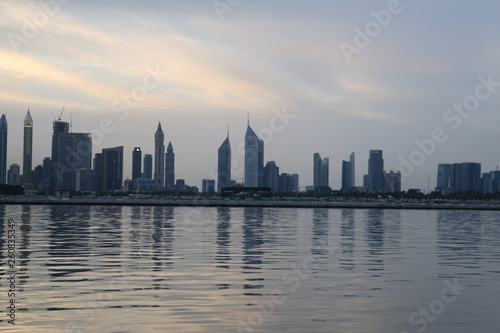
x=28 y=149
x=224 y=164
x=170 y=167
x=159 y=172
x=254 y=159
x=3 y=150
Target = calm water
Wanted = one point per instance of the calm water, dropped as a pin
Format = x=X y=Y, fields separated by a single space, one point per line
x=164 y=269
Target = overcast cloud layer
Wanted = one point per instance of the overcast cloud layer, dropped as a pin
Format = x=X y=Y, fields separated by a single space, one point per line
x=256 y=57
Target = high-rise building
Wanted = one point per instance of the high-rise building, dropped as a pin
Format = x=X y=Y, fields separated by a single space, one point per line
x=59 y=127
x=376 y=171
x=3 y=150
x=14 y=177
x=254 y=158
x=392 y=181
x=159 y=175
x=295 y=182
x=353 y=169
x=28 y=149
x=74 y=152
x=271 y=176
x=465 y=177
x=136 y=163
x=321 y=171
x=348 y=173
x=443 y=178
x=98 y=168
x=148 y=167
x=112 y=168
x=170 y=168
x=224 y=165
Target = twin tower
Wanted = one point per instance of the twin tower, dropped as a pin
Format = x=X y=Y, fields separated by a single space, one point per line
x=254 y=162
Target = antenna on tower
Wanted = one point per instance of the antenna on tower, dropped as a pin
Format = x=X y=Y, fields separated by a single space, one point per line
x=70 y=122
x=227 y=130
x=248 y=119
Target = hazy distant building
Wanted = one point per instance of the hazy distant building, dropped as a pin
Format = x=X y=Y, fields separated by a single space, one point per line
x=99 y=173
x=14 y=177
x=376 y=171
x=170 y=168
x=28 y=149
x=271 y=176
x=144 y=185
x=392 y=181
x=3 y=149
x=254 y=159
x=321 y=171
x=159 y=174
x=348 y=173
x=148 y=167
x=224 y=165
x=208 y=186
x=136 y=163
x=443 y=178
x=112 y=168
x=295 y=183
x=491 y=182
x=465 y=177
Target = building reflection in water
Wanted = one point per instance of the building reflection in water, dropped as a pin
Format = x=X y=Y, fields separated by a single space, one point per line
x=375 y=231
x=69 y=237
x=320 y=238
x=347 y=239
x=459 y=240
x=223 y=256
x=253 y=239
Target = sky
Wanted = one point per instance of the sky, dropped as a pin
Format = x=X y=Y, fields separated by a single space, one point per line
x=416 y=79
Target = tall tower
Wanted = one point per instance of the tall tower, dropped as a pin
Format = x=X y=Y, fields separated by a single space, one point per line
x=136 y=163
x=159 y=175
x=376 y=171
x=352 y=161
x=253 y=156
x=59 y=127
x=224 y=164
x=170 y=167
x=148 y=166
x=28 y=148
x=3 y=150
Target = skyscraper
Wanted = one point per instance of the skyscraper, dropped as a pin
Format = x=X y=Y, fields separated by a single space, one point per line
x=112 y=168
x=59 y=127
x=443 y=178
x=254 y=157
x=99 y=173
x=148 y=167
x=74 y=152
x=353 y=169
x=28 y=149
x=271 y=176
x=170 y=167
x=224 y=165
x=465 y=177
x=3 y=150
x=136 y=163
x=348 y=173
x=376 y=171
x=321 y=171
x=159 y=175
x=14 y=177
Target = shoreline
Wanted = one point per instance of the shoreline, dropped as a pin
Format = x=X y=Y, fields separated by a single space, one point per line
x=248 y=203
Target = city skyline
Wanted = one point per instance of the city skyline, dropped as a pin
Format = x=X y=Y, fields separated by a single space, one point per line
x=63 y=137
x=282 y=62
